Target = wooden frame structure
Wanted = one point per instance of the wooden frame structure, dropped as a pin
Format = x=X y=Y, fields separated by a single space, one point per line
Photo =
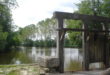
x=60 y=16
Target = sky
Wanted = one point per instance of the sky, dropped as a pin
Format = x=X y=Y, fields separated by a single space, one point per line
x=33 y=11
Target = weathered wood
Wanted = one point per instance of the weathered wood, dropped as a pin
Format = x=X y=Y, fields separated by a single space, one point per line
x=82 y=30
x=77 y=16
x=97 y=43
x=106 y=46
x=86 y=19
x=85 y=47
x=60 y=43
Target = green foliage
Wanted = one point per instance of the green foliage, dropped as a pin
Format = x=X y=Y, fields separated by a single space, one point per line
x=100 y=7
x=74 y=37
x=45 y=43
x=90 y=7
x=14 y=72
x=5 y=22
x=28 y=42
x=105 y=7
x=46 y=28
x=85 y=7
x=17 y=40
x=14 y=39
x=3 y=35
x=3 y=42
x=28 y=31
x=22 y=36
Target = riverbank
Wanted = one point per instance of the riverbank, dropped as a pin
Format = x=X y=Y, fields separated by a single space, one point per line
x=34 y=69
x=24 y=69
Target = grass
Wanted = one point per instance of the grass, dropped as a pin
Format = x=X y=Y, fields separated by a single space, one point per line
x=17 y=69
x=14 y=72
x=7 y=66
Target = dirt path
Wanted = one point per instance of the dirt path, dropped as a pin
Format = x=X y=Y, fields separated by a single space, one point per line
x=80 y=73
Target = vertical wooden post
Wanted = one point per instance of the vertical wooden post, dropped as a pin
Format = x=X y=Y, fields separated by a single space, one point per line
x=106 y=52
x=85 y=48
x=60 y=42
x=106 y=47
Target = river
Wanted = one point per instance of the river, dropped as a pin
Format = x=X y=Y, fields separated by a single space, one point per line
x=26 y=55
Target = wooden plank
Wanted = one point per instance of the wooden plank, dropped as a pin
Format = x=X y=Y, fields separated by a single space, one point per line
x=76 y=16
x=81 y=30
x=60 y=43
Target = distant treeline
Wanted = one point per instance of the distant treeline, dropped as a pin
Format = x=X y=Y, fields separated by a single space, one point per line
x=47 y=43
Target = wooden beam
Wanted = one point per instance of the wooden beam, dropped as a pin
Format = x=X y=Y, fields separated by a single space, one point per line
x=106 y=48
x=77 y=16
x=82 y=30
x=60 y=42
x=86 y=47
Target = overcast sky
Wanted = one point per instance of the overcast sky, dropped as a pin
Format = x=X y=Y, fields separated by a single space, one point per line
x=32 y=11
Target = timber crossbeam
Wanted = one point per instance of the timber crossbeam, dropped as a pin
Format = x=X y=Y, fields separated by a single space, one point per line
x=77 y=16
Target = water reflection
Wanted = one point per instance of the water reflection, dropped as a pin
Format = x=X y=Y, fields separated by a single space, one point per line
x=30 y=54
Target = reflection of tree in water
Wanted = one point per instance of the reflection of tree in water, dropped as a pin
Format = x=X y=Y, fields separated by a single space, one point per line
x=73 y=59
x=27 y=50
x=42 y=52
x=14 y=56
x=74 y=65
x=23 y=57
x=80 y=52
x=48 y=51
x=6 y=58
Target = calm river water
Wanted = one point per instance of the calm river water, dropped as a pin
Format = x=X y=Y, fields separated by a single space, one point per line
x=25 y=55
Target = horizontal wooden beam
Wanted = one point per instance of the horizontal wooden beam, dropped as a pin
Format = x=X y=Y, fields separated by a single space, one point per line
x=76 y=16
x=82 y=30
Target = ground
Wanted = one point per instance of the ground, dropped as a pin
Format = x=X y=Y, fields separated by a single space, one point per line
x=34 y=69
x=24 y=69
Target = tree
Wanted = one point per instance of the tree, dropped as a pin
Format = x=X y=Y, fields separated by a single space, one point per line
x=105 y=7
x=47 y=28
x=90 y=7
x=15 y=39
x=5 y=22
x=74 y=37
x=28 y=32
